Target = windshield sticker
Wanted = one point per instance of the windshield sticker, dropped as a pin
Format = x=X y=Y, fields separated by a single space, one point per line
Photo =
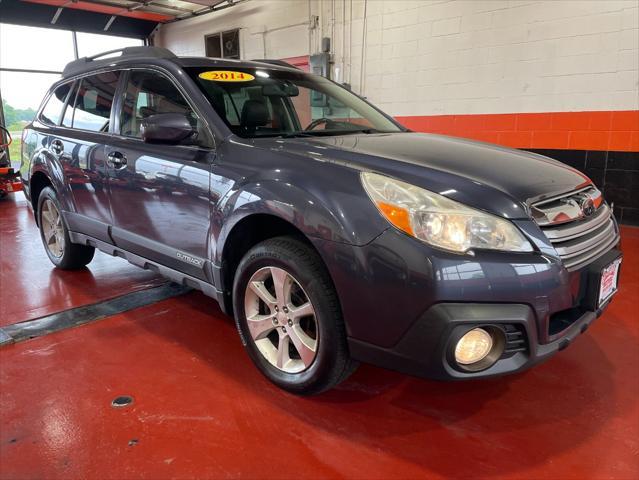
x=226 y=76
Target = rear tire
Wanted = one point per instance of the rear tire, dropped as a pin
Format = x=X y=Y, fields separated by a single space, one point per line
x=55 y=236
x=296 y=336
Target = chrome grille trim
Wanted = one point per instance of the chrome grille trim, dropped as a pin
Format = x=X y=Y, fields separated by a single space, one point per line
x=572 y=230
x=592 y=255
x=580 y=241
x=577 y=246
x=564 y=208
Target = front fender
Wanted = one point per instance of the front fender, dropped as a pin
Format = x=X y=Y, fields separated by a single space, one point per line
x=317 y=216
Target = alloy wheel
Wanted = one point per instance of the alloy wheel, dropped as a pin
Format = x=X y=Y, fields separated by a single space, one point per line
x=281 y=320
x=52 y=228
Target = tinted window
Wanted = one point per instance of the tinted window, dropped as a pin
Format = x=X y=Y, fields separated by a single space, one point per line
x=149 y=93
x=93 y=101
x=53 y=109
x=258 y=102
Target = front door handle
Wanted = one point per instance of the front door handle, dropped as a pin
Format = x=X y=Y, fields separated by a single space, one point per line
x=116 y=160
x=57 y=147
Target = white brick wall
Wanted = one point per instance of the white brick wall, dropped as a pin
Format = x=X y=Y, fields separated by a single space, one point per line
x=268 y=29
x=450 y=57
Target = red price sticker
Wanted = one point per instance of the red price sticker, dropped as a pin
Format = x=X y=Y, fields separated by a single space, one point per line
x=226 y=76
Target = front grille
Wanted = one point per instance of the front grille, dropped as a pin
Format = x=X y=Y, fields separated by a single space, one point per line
x=581 y=240
x=560 y=321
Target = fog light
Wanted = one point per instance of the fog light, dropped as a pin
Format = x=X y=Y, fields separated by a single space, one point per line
x=473 y=347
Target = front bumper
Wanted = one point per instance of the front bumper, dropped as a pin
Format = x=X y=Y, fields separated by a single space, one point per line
x=403 y=302
x=424 y=350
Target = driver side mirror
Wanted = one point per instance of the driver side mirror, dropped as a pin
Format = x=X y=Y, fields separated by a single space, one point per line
x=168 y=128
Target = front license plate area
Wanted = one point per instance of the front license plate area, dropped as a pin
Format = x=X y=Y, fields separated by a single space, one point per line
x=601 y=280
x=608 y=281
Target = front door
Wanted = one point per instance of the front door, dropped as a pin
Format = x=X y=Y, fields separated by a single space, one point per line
x=159 y=194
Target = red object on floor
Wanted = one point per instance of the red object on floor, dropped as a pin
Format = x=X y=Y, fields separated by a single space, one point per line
x=9 y=181
x=29 y=285
x=201 y=410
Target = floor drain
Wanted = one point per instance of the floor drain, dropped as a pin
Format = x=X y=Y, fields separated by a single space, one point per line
x=122 y=401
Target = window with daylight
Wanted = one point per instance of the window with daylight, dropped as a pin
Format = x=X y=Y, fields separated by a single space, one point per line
x=223 y=44
x=29 y=67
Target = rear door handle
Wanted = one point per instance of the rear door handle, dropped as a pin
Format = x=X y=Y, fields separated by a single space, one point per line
x=116 y=160
x=57 y=147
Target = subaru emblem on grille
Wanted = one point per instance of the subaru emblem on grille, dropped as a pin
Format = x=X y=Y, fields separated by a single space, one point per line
x=579 y=225
x=568 y=207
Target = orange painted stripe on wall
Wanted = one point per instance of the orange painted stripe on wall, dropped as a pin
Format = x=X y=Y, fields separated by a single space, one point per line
x=601 y=130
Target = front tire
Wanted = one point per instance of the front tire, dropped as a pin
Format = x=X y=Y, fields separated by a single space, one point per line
x=55 y=237
x=288 y=316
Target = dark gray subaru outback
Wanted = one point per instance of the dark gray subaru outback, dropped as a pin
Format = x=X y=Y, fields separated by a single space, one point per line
x=330 y=232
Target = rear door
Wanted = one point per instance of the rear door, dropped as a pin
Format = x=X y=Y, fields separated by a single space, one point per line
x=159 y=194
x=79 y=145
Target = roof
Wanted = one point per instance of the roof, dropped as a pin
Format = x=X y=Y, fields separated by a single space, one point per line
x=141 y=54
x=228 y=62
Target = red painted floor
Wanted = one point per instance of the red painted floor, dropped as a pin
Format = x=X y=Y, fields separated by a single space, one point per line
x=31 y=287
x=202 y=410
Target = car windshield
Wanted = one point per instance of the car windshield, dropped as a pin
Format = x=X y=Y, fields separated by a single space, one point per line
x=258 y=102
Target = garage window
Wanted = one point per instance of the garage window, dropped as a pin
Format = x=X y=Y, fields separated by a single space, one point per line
x=223 y=44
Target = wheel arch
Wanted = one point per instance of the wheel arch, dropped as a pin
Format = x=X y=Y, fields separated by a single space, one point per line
x=44 y=170
x=244 y=235
x=39 y=181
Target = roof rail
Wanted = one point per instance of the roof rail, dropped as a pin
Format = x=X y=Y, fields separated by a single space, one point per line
x=279 y=63
x=85 y=64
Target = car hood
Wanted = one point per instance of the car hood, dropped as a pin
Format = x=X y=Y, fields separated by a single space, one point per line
x=500 y=180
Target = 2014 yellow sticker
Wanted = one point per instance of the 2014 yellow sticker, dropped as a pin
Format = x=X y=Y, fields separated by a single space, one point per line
x=226 y=76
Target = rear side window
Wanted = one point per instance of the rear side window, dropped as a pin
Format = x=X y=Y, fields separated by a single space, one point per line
x=53 y=109
x=91 y=108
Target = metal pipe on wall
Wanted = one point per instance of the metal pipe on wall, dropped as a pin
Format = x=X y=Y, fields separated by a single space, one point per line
x=362 y=63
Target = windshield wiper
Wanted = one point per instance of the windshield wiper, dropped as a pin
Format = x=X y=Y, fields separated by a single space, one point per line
x=328 y=133
x=297 y=134
x=365 y=130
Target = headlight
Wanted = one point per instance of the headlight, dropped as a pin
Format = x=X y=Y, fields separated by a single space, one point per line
x=439 y=221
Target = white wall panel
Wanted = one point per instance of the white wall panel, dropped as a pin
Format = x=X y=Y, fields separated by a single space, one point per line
x=450 y=57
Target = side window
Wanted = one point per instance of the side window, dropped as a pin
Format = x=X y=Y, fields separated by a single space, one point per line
x=67 y=119
x=53 y=109
x=150 y=93
x=91 y=108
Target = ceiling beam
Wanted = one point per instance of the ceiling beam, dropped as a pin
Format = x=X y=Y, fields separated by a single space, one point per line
x=56 y=15
x=215 y=8
x=105 y=7
x=110 y=22
x=39 y=14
